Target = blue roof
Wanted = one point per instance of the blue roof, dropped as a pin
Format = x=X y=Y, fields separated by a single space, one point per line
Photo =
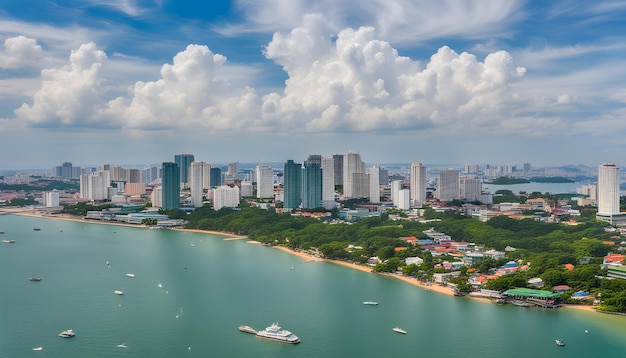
x=510 y=264
x=581 y=294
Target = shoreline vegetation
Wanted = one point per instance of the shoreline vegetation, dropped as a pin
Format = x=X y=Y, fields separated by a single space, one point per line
x=305 y=256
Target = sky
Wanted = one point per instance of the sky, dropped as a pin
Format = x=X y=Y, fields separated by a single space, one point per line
x=434 y=81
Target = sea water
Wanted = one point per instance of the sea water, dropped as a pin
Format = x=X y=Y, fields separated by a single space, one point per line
x=210 y=286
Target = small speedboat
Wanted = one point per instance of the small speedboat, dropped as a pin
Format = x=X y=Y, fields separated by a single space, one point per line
x=559 y=342
x=370 y=303
x=130 y=275
x=34 y=278
x=38 y=348
x=67 y=334
x=118 y=292
x=399 y=330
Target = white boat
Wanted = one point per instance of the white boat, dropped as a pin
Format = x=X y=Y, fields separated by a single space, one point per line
x=123 y=345
x=370 y=303
x=399 y=330
x=118 y=292
x=7 y=241
x=67 y=334
x=159 y=285
x=247 y=329
x=276 y=333
x=559 y=342
x=130 y=275
x=38 y=348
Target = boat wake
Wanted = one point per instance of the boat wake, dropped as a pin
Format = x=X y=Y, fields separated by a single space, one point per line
x=123 y=345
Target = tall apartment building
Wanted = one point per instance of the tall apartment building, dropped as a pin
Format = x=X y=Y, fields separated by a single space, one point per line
x=150 y=174
x=374 y=184
x=184 y=164
x=404 y=199
x=264 y=182
x=225 y=196
x=312 y=185
x=608 y=195
x=352 y=164
x=328 y=182
x=233 y=168
x=338 y=166
x=448 y=185
x=196 y=183
x=170 y=186
x=396 y=186
x=292 y=187
x=94 y=186
x=51 y=198
x=417 y=184
x=246 y=189
x=206 y=176
x=471 y=188
x=216 y=177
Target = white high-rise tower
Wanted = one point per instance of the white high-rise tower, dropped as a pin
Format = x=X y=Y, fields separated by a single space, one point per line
x=418 y=184
x=608 y=195
x=328 y=182
x=352 y=164
x=196 y=183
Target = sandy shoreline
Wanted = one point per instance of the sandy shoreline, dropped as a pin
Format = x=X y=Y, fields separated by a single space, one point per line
x=307 y=257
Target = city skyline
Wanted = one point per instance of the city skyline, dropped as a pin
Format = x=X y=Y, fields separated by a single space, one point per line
x=96 y=81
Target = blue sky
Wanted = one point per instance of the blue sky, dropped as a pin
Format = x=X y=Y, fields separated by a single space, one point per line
x=441 y=81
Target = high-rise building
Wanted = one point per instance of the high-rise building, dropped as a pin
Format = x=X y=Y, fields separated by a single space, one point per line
x=396 y=186
x=170 y=186
x=150 y=174
x=312 y=185
x=216 y=177
x=196 y=183
x=94 y=186
x=448 y=185
x=314 y=159
x=404 y=199
x=233 y=168
x=292 y=187
x=225 y=196
x=328 y=182
x=374 y=192
x=352 y=163
x=66 y=170
x=417 y=184
x=134 y=176
x=184 y=164
x=246 y=189
x=471 y=188
x=264 y=182
x=51 y=198
x=383 y=177
x=360 y=185
x=206 y=176
x=338 y=164
x=608 y=189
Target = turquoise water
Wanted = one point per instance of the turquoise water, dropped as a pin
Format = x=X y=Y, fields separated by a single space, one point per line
x=214 y=286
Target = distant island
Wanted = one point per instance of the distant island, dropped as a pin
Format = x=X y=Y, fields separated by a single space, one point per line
x=551 y=180
x=506 y=180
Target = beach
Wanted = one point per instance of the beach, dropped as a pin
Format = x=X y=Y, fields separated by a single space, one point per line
x=307 y=257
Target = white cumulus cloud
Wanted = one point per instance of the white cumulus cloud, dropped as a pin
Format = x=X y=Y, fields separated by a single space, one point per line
x=20 y=51
x=71 y=95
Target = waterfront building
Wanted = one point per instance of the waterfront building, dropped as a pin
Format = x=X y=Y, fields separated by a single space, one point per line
x=328 y=182
x=338 y=168
x=374 y=184
x=448 y=185
x=156 y=197
x=184 y=164
x=51 y=198
x=264 y=182
x=196 y=183
x=225 y=196
x=94 y=186
x=472 y=168
x=417 y=184
x=170 y=186
x=312 y=185
x=352 y=164
x=608 y=195
x=292 y=187
x=216 y=177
